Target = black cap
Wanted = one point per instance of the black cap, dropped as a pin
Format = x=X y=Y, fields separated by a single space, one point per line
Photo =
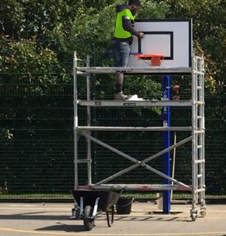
x=135 y=2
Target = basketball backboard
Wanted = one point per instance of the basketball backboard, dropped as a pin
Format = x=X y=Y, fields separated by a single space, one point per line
x=172 y=38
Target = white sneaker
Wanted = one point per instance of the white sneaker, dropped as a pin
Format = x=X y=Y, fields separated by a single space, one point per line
x=120 y=96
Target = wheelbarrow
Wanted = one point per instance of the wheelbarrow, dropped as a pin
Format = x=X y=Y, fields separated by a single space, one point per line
x=90 y=203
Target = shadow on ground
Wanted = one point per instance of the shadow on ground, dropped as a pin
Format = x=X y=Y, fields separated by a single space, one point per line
x=43 y=216
x=64 y=228
x=34 y=216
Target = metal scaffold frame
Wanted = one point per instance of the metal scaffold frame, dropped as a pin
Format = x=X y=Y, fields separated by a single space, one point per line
x=197 y=129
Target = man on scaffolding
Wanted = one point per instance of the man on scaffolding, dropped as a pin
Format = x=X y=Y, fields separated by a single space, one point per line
x=122 y=40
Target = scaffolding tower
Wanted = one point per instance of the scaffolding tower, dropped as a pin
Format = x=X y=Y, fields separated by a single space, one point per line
x=197 y=131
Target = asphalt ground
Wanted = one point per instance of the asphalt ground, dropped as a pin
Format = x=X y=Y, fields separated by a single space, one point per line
x=28 y=219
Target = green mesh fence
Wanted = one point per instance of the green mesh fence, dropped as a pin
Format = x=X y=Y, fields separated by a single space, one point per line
x=36 y=113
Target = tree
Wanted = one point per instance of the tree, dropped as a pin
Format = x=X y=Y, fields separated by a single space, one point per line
x=209 y=19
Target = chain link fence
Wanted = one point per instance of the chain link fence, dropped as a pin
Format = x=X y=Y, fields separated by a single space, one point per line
x=36 y=113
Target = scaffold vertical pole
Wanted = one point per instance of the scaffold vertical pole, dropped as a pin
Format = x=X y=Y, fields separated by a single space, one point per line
x=89 y=158
x=166 y=142
x=75 y=104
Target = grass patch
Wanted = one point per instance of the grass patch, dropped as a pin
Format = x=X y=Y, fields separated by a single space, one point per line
x=68 y=196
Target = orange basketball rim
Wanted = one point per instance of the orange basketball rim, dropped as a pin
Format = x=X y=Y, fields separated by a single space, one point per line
x=155 y=59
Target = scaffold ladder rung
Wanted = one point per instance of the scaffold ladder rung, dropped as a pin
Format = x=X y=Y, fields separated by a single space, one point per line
x=200 y=102
x=199 y=161
x=199 y=131
x=200 y=190
x=83 y=161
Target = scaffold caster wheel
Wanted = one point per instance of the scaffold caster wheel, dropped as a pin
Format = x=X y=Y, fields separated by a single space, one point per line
x=203 y=212
x=194 y=215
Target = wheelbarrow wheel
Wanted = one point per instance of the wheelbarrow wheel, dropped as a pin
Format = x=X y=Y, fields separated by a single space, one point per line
x=88 y=220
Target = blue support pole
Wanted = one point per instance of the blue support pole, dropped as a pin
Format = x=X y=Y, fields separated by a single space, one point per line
x=166 y=142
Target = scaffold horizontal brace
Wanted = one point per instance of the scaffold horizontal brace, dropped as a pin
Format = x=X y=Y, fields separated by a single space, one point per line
x=128 y=103
x=200 y=190
x=82 y=161
x=135 y=70
x=135 y=187
x=108 y=128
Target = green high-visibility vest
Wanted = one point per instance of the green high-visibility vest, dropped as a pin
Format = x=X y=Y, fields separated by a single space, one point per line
x=119 y=31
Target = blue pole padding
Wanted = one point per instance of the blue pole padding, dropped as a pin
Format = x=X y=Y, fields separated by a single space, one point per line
x=166 y=142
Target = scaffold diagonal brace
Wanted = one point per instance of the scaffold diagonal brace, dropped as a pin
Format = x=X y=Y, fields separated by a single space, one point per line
x=137 y=162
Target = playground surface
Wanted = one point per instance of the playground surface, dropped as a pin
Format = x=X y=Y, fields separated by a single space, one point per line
x=28 y=219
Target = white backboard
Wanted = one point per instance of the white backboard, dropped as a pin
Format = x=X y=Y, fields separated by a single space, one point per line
x=172 y=38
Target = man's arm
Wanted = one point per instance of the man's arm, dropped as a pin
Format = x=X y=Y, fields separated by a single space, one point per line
x=127 y=26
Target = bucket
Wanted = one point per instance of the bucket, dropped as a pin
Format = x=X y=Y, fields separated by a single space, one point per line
x=124 y=205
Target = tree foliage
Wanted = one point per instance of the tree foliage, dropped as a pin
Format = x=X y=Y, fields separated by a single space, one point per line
x=37 y=40
x=209 y=18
